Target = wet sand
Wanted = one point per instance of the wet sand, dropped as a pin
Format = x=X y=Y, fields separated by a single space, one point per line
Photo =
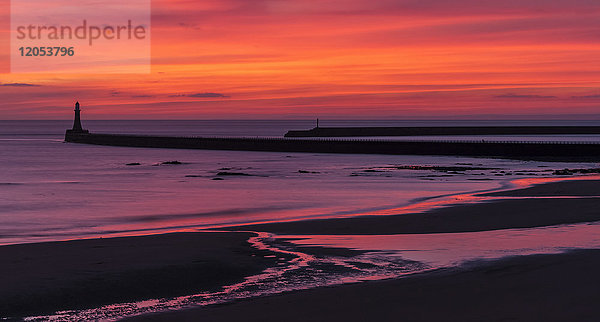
x=561 y=188
x=493 y=215
x=557 y=287
x=45 y=277
x=561 y=287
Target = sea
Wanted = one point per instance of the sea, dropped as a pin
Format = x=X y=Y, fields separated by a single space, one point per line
x=51 y=190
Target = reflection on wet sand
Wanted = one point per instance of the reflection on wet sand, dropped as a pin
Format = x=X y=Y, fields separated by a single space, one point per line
x=312 y=260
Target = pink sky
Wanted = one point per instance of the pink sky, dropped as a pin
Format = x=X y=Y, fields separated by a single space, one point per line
x=342 y=59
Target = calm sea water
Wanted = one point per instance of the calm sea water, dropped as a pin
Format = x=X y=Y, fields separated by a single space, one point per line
x=51 y=190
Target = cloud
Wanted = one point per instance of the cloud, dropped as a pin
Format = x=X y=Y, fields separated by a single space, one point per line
x=597 y=96
x=189 y=26
x=201 y=95
x=207 y=95
x=519 y=96
x=19 y=85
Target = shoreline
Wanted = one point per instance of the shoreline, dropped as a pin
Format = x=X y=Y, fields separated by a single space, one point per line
x=41 y=278
x=517 y=208
x=557 y=287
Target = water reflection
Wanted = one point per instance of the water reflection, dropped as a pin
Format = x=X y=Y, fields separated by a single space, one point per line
x=451 y=249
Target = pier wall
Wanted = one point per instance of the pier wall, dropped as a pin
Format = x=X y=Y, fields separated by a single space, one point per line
x=517 y=150
x=441 y=131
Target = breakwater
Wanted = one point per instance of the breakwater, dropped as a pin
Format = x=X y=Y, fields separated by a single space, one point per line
x=442 y=130
x=516 y=150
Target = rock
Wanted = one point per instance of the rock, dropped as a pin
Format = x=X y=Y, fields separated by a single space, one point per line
x=134 y=163
x=438 y=168
x=568 y=172
x=564 y=172
x=223 y=173
x=172 y=162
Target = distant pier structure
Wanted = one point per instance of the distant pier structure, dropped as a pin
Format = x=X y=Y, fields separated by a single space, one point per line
x=322 y=143
x=77 y=128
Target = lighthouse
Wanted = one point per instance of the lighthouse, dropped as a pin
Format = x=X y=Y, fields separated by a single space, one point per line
x=77 y=121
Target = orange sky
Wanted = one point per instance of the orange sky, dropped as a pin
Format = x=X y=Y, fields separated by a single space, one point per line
x=372 y=59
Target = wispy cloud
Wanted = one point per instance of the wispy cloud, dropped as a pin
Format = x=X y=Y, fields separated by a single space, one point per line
x=523 y=96
x=597 y=96
x=201 y=95
x=19 y=85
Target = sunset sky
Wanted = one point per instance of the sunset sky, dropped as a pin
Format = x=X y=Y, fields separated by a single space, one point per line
x=344 y=59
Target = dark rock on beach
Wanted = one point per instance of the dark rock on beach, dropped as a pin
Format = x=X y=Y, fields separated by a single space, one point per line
x=305 y=171
x=175 y=162
x=429 y=168
x=568 y=172
x=224 y=173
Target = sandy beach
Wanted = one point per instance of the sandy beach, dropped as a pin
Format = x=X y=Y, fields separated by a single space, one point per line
x=46 y=277
x=560 y=188
x=560 y=287
x=490 y=215
x=556 y=287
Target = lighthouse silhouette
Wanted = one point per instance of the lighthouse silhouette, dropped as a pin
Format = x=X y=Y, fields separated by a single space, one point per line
x=77 y=121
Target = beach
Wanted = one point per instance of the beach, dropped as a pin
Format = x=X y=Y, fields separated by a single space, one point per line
x=489 y=215
x=532 y=288
x=43 y=278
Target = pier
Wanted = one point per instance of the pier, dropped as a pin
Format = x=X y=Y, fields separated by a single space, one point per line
x=563 y=151
x=588 y=151
x=443 y=131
